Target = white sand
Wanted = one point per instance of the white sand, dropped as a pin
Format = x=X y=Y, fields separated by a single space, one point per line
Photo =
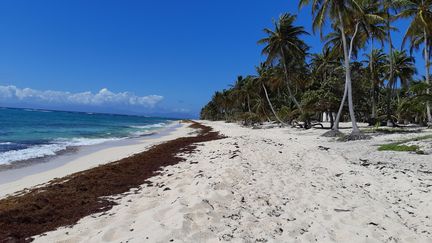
x=274 y=185
x=87 y=161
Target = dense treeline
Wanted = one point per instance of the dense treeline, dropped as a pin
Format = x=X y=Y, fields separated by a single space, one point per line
x=358 y=76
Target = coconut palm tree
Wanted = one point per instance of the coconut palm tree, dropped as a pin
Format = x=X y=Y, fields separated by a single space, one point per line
x=373 y=27
x=325 y=61
x=335 y=41
x=259 y=107
x=225 y=102
x=285 y=45
x=264 y=77
x=337 y=11
x=372 y=21
x=249 y=89
x=324 y=65
x=412 y=108
x=377 y=62
x=404 y=69
x=420 y=12
x=239 y=93
x=390 y=7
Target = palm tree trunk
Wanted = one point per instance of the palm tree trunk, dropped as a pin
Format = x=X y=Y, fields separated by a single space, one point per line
x=348 y=84
x=391 y=76
x=329 y=112
x=248 y=103
x=271 y=106
x=356 y=130
x=287 y=82
x=373 y=86
x=338 y=116
x=427 y=61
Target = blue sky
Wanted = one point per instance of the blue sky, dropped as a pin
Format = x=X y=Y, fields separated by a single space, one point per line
x=177 y=51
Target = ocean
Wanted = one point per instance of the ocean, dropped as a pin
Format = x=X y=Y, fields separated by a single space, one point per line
x=27 y=134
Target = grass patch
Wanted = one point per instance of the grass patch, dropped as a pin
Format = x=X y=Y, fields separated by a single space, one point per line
x=400 y=147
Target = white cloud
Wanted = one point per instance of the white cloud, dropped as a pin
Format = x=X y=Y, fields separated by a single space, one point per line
x=103 y=97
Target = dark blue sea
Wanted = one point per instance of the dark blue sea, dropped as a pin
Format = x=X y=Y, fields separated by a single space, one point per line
x=27 y=134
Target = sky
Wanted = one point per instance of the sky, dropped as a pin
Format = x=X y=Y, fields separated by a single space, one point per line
x=134 y=56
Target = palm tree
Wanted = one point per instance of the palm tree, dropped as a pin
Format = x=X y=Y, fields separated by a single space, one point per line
x=224 y=101
x=338 y=11
x=377 y=61
x=324 y=65
x=373 y=27
x=404 y=69
x=420 y=11
x=390 y=7
x=412 y=108
x=259 y=107
x=239 y=93
x=264 y=77
x=249 y=89
x=372 y=20
x=285 y=45
x=334 y=40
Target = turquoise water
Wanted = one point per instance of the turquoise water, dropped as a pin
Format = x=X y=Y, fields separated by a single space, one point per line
x=27 y=134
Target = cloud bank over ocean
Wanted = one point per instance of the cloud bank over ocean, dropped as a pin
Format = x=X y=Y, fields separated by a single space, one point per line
x=104 y=97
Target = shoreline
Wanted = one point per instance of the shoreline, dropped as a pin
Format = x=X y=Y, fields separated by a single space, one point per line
x=265 y=185
x=64 y=201
x=77 y=150
x=80 y=158
x=273 y=185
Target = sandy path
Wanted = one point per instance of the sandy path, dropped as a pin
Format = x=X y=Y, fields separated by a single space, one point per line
x=274 y=185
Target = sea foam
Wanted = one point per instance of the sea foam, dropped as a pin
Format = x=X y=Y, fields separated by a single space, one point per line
x=151 y=126
x=41 y=151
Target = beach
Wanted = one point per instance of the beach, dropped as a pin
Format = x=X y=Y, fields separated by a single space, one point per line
x=85 y=158
x=277 y=121
x=272 y=185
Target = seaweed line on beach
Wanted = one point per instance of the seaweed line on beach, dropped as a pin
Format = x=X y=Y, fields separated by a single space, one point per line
x=64 y=201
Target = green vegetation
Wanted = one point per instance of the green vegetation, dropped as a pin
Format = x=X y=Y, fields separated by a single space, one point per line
x=293 y=85
x=400 y=146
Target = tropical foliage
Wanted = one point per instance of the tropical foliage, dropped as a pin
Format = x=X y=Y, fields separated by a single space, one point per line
x=358 y=76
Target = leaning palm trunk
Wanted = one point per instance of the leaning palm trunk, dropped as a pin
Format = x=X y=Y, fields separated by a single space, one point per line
x=338 y=116
x=356 y=130
x=427 y=61
x=271 y=106
x=348 y=88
